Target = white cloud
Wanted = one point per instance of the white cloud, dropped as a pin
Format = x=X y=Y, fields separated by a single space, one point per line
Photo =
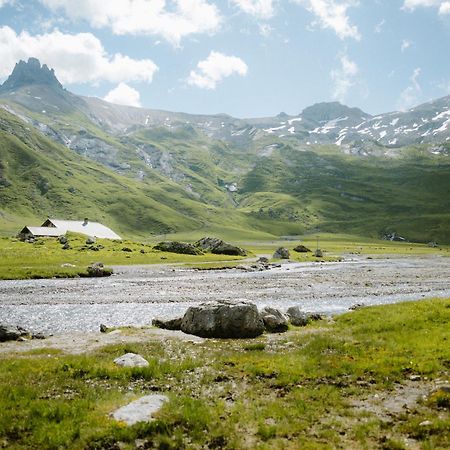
x=332 y=14
x=442 y=5
x=171 y=20
x=344 y=77
x=76 y=58
x=411 y=95
x=405 y=45
x=214 y=69
x=261 y=9
x=4 y=2
x=123 y=94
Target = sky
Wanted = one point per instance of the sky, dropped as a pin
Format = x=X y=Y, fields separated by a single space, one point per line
x=246 y=58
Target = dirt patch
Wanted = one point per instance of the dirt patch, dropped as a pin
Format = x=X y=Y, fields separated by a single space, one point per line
x=76 y=343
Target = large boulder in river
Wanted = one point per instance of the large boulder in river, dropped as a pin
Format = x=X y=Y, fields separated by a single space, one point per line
x=219 y=247
x=178 y=247
x=274 y=320
x=13 y=333
x=281 y=253
x=224 y=319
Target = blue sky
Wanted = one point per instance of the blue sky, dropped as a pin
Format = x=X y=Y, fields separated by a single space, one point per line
x=246 y=58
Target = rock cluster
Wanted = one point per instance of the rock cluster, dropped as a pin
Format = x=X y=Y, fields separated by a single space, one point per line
x=236 y=320
x=178 y=247
x=206 y=244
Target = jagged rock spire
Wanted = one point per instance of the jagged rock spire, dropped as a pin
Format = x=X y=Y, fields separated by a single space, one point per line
x=31 y=72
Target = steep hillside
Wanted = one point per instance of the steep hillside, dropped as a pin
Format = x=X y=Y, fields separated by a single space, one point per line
x=331 y=168
x=39 y=178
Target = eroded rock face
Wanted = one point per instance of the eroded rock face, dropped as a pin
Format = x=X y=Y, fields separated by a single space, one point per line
x=178 y=247
x=281 y=253
x=274 y=320
x=223 y=319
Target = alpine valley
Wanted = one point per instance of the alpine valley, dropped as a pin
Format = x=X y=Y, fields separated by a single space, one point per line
x=144 y=172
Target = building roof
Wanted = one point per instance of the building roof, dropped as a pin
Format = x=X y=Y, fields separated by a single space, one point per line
x=86 y=227
x=43 y=231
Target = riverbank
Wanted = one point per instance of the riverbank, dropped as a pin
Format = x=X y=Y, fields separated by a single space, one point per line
x=377 y=377
x=134 y=295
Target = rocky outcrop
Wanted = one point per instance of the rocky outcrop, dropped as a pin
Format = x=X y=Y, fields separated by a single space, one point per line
x=274 y=320
x=219 y=247
x=13 y=333
x=281 y=253
x=178 y=247
x=301 y=249
x=168 y=324
x=223 y=319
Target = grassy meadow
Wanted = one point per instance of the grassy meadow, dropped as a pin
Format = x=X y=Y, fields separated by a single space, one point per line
x=45 y=258
x=339 y=384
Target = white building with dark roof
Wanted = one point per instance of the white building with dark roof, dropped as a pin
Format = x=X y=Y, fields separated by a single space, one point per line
x=56 y=227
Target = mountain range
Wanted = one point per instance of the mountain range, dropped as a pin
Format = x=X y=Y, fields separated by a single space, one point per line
x=329 y=168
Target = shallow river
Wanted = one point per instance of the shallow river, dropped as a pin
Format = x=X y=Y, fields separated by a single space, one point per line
x=136 y=294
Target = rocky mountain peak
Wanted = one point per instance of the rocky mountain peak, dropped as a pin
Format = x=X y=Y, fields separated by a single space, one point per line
x=326 y=111
x=30 y=73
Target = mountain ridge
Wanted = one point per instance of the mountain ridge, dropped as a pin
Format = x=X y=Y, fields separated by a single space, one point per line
x=282 y=175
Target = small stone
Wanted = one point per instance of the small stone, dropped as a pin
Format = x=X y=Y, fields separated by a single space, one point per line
x=415 y=377
x=425 y=423
x=103 y=328
x=131 y=360
x=140 y=410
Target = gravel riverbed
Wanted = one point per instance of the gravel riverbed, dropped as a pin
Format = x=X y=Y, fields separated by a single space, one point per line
x=136 y=294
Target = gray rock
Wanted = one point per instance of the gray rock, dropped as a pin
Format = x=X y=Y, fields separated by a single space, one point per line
x=263 y=260
x=219 y=247
x=13 y=333
x=297 y=317
x=140 y=410
x=62 y=239
x=223 y=319
x=66 y=246
x=168 y=324
x=274 y=320
x=98 y=270
x=90 y=240
x=281 y=253
x=131 y=360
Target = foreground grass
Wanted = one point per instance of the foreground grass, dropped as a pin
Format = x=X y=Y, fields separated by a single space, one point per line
x=297 y=390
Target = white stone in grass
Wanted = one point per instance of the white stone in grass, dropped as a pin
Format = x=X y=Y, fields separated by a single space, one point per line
x=131 y=360
x=140 y=410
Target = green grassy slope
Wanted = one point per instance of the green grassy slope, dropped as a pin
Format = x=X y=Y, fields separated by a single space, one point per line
x=40 y=178
x=364 y=196
x=173 y=180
